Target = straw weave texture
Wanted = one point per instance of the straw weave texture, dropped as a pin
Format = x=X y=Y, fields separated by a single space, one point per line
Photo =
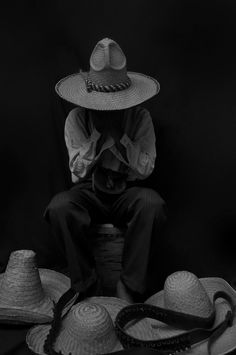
x=91 y=319
x=185 y=293
x=87 y=329
x=21 y=283
x=206 y=287
x=73 y=89
x=107 y=69
x=139 y=329
x=26 y=292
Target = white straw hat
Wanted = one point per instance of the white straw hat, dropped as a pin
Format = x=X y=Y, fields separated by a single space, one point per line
x=88 y=329
x=107 y=85
x=184 y=292
x=140 y=329
x=26 y=292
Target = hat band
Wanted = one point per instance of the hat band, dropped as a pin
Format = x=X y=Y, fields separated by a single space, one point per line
x=175 y=343
x=68 y=298
x=91 y=86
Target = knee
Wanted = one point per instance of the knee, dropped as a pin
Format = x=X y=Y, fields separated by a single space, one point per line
x=58 y=207
x=150 y=200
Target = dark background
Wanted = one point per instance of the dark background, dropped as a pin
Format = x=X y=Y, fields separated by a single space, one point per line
x=189 y=47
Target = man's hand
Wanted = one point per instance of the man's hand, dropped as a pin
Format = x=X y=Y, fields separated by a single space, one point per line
x=122 y=150
x=100 y=142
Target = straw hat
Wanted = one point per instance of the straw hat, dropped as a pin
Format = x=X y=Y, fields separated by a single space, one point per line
x=184 y=292
x=88 y=329
x=107 y=85
x=26 y=292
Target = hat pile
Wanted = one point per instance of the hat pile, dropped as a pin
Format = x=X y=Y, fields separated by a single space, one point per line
x=29 y=294
x=88 y=329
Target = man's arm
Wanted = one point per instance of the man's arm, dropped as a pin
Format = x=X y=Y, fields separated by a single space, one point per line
x=82 y=148
x=141 y=150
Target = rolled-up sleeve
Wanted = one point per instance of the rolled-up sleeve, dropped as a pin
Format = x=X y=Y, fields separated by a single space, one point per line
x=80 y=145
x=141 y=150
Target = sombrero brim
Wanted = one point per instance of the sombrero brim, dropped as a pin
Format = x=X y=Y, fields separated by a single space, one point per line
x=54 y=285
x=73 y=89
x=37 y=335
x=142 y=330
x=226 y=342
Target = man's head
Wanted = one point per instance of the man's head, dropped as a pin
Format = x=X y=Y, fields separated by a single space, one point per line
x=107 y=114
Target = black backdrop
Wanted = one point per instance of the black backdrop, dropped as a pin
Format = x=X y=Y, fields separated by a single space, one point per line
x=189 y=47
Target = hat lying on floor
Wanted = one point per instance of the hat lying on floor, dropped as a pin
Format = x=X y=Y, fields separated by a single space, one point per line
x=87 y=329
x=26 y=292
x=107 y=85
x=193 y=315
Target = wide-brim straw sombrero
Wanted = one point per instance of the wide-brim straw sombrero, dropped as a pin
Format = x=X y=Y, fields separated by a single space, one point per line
x=94 y=335
x=140 y=328
x=107 y=85
x=27 y=294
x=196 y=303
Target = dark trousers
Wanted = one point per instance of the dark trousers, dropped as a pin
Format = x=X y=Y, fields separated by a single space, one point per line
x=141 y=210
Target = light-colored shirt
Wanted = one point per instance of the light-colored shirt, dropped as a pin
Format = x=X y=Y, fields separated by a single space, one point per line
x=138 y=139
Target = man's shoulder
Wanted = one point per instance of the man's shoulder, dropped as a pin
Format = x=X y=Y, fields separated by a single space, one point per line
x=75 y=116
x=76 y=112
x=139 y=113
x=139 y=110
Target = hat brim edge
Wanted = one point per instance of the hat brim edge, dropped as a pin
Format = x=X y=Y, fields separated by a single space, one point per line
x=54 y=284
x=212 y=285
x=92 y=105
x=41 y=332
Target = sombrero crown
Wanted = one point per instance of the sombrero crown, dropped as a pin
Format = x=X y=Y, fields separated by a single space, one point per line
x=87 y=329
x=190 y=315
x=107 y=85
x=108 y=67
x=184 y=293
x=26 y=292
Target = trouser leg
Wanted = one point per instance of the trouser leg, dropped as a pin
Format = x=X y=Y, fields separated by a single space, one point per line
x=143 y=211
x=69 y=215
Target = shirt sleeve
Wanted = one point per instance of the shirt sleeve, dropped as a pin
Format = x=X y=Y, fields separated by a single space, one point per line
x=141 y=150
x=81 y=145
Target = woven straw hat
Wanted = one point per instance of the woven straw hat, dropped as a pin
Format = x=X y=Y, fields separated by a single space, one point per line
x=88 y=329
x=140 y=329
x=184 y=292
x=26 y=292
x=107 y=85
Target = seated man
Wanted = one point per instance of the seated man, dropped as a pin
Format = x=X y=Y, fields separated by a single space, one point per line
x=111 y=143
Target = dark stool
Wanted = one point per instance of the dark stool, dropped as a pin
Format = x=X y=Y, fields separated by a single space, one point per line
x=108 y=242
